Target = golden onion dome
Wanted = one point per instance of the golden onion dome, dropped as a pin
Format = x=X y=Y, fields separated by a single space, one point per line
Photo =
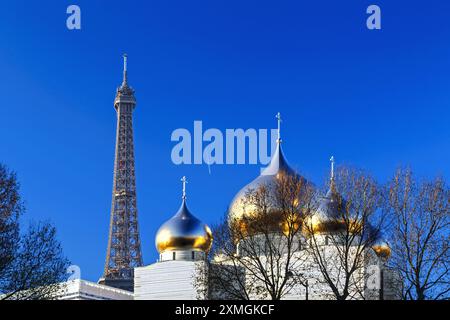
x=382 y=249
x=183 y=231
x=331 y=215
x=242 y=213
x=327 y=217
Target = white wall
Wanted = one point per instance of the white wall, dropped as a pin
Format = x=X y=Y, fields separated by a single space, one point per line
x=168 y=280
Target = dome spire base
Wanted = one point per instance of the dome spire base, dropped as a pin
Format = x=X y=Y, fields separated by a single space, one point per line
x=332 y=168
x=184 y=181
x=278 y=116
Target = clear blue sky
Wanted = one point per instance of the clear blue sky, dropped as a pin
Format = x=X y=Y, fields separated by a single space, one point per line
x=373 y=99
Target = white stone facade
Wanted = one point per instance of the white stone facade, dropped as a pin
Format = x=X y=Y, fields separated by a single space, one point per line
x=85 y=290
x=373 y=280
x=167 y=280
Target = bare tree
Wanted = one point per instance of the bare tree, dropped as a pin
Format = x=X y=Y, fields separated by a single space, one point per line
x=420 y=235
x=31 y=265
x=39 y=267
x=342 y=232
x=254 y=255
x=10 y=209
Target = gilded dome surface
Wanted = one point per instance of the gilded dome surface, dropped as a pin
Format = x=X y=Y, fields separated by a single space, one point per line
x=382 y=249
x=327 y=217
x=332 y=213
x=240 y=210
x=184 y=232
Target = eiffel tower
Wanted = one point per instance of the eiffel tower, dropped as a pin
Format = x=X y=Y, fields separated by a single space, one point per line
x=124 y=245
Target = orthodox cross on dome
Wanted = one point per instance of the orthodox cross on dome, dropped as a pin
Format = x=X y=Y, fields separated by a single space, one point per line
x=278 y=116
x=184 y=181
x=332 y=168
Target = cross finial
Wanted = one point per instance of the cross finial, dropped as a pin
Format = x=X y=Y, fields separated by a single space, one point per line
x=278 y=116
x=125 y=61
x=184 y=181
x=332 y=168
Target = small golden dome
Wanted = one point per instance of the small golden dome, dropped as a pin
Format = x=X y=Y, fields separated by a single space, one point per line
x=382 y=249
x=329 y=216
x=184 y=231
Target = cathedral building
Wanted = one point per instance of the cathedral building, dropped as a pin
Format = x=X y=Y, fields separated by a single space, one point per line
x=185 y=243
x=322 y=229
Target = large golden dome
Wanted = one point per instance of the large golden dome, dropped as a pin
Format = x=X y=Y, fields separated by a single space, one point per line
x=278 y=167
x=241 y=213
x=183 y=232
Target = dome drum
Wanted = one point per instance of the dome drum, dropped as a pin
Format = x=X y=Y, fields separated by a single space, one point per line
x=182 y=255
